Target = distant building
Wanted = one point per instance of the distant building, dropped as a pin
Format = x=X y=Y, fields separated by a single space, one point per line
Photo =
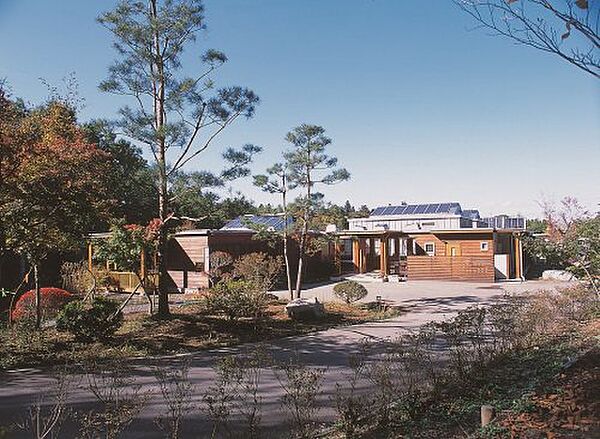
x=188 y=256
x=434 y=241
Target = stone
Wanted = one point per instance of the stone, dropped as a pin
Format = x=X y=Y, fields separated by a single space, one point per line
x=487 y=414
x=305 y=309
x=560 y=275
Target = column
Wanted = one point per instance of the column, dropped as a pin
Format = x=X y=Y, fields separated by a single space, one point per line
x=518 y=259
x=383 y=257
x=356 y=254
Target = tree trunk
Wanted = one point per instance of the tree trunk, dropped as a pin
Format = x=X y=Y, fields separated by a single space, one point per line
x=163 y=295
x=285 y=245
x=158 y=87
x=301 y=252
x=38 y=297
x=307 y=216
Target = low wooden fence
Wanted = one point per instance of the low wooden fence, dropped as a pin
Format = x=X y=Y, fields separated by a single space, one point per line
x=467 y=268
x=127 y=281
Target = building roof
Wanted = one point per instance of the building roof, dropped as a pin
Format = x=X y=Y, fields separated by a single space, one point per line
x=418 y=209
x=271 y=222
x=471 y=214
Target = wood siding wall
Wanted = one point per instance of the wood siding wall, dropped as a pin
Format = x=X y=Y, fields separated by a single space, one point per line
x=185 y=262
x=469 y=244
x=465 y=268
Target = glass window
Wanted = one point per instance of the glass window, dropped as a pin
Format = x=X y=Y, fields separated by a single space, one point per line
x=430 y=248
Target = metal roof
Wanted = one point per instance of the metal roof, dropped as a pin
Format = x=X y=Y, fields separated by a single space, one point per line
x=418 y=209
x=244 y=222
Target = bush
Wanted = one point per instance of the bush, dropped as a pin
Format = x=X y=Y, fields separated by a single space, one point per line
x=220 y=263
x=90 y=322
x=236 y=299
x=350 y=291
x=76 y=278
x=52 y=301
x=258 y=268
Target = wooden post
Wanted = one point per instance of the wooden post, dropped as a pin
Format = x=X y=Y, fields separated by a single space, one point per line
x=355 y=255
x=517 y=257
x=143 y=265
x=383 y=257
x=90 y=255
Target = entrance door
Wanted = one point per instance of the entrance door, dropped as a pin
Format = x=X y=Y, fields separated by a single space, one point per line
x=454 y=249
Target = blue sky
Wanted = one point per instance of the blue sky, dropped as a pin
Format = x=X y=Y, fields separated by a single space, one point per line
x=420 y=107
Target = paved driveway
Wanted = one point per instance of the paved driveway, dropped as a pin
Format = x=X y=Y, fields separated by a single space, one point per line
x=423 y=301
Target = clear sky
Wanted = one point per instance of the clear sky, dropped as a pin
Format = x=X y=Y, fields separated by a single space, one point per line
x=420 y=107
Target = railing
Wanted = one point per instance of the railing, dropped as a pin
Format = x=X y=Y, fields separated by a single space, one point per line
x=127 y=281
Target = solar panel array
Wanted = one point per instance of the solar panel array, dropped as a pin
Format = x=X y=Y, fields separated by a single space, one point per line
x=417 y=209
x=274 y=222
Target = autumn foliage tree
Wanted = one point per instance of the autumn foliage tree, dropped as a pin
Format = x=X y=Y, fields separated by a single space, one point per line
x=52 y=188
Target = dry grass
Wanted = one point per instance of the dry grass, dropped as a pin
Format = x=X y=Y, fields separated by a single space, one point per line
x=187 y=330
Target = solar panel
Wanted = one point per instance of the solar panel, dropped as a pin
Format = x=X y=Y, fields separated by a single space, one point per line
x=443 y=207
x=420 y=208
x=431 y=208
x=409 y=209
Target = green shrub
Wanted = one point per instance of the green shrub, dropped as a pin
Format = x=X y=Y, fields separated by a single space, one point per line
x=236 y=299
x=350 y=291
x=90 y=322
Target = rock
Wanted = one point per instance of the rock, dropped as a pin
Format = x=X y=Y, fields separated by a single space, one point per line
x=487 y=414
x=305 y=309
x=560 y=275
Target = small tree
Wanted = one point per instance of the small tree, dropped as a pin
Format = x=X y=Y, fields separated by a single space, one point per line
x=309 y=165
x=128 y=247
x=276 y=182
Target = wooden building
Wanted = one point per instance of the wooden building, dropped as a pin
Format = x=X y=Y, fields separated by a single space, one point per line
x=433 y=241
x=189 y=253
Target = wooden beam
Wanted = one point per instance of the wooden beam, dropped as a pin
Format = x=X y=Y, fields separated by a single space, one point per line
x=383 y=257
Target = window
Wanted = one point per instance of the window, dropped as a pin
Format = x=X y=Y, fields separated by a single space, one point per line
x=430 y=248
x=484 y=246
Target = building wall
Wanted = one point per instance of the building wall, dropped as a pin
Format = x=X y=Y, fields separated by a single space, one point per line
x=469 y=264
x=469 y=244
x=411 y=224
x=459 y=268
x=188 y=257
x=186 y=262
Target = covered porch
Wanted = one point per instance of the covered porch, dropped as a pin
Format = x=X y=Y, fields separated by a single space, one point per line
x=369 y=251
